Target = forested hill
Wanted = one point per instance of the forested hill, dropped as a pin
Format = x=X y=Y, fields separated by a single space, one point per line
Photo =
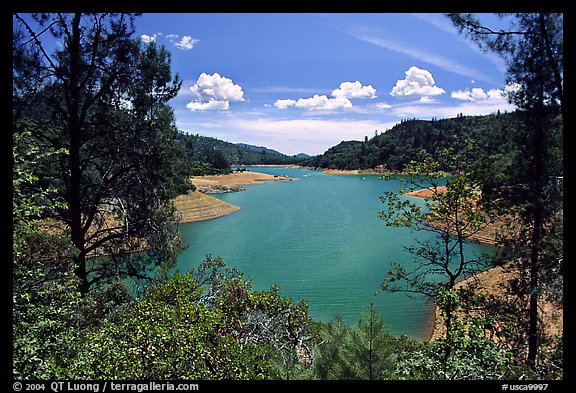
x=202 y=148
x=398 y=146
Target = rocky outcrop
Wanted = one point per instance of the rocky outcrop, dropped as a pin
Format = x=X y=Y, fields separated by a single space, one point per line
x=218 y=189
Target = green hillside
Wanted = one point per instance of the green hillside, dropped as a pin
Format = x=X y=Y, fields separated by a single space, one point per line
x=396 y=147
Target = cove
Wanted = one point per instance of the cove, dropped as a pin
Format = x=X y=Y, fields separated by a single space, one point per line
x=319 y=238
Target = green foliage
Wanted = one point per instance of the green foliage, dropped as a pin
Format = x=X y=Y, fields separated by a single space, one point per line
x=30 y=201
x=206 y=324
x=329 y=356
x=168 y=335
x=426 y=361
x=45 y=306
x=45 y=299
x=468 y=351
x=255 y=316
x=217 y=160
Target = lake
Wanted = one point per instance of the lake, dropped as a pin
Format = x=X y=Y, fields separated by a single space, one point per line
x=318 y=238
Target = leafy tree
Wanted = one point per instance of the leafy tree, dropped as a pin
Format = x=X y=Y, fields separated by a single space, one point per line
x=102 y=97
x=261 y=316
x=473 y=356
x=168 y=334
x=452 y=215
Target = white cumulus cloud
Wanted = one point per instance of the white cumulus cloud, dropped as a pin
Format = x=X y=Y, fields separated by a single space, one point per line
x=417 y=82
x=214 y=92
x=354 y=90
x=340 y=98
x=479 y=96
x=474 y=95
x=323 y=102
x=473 y=102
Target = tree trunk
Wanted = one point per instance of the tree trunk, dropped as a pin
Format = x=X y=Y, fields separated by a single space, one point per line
x=539 y=143
x=74 y=162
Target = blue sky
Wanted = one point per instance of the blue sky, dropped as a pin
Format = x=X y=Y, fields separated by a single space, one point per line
x=304 y=82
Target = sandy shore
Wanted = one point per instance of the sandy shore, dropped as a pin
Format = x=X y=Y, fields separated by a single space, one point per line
x=275 y=165
x=197 y=206
x=427 y=192
x=489 y=282
x=354 y=172
x=340 y=172
x=237 y=179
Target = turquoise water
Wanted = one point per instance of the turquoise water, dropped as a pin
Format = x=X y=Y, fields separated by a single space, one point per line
x=318 y=238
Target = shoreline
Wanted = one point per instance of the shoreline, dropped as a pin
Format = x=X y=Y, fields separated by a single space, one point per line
x=488 y=280
x=199 y=206
x=485 y=278
x=485 y=235
x=355 y=172
x=235 y=179
x=271 y=165
x=341 y=172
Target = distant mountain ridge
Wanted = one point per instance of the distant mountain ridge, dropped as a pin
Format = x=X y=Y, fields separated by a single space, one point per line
x=271 y=151
x=259 y=149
